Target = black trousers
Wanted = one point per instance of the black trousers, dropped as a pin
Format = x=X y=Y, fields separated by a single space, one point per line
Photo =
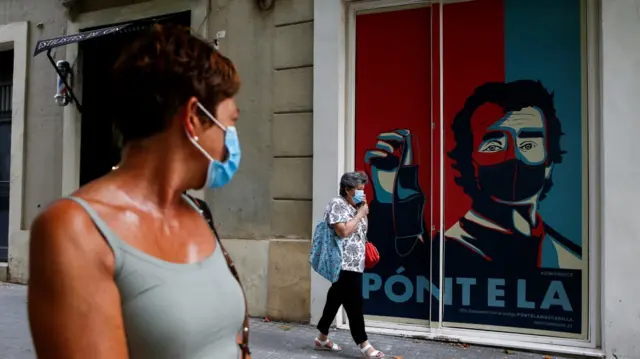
x=347 y=291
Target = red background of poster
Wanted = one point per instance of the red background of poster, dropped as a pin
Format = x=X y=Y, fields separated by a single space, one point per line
x=393 y=85
x=397 y=78
x=471 y=58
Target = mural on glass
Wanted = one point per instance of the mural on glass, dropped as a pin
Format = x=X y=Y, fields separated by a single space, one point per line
x=516 y=249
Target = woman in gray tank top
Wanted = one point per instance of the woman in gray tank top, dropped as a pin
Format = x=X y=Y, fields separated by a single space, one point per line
x=126 y=267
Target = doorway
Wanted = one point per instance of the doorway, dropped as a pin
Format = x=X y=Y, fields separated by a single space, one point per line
x=99 y=144
x=463 y=242
x=6 y=87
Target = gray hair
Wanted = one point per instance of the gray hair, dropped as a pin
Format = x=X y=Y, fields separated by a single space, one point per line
x=351 y=180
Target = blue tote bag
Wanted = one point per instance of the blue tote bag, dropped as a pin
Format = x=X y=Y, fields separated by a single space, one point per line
x=326 y=252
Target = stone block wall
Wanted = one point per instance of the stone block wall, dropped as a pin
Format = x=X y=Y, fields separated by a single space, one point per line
x=265 y=214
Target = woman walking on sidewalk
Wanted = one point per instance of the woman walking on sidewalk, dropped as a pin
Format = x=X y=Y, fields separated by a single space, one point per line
x=347 y=215
x=127 y=267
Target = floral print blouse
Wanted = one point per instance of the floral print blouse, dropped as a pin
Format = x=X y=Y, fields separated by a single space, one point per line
x=353 y=247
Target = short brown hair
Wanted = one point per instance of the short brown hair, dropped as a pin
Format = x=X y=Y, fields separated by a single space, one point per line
x=159 y=72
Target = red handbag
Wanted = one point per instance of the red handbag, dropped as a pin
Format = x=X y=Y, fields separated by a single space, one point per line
x=371 y=256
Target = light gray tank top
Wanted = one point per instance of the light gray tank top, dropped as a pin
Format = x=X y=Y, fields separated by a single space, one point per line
x=172 y=310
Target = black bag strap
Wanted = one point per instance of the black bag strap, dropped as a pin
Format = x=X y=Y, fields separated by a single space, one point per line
x=206 y=214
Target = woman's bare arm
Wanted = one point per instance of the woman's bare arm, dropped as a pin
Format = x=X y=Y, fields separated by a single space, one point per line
x=74 y=304
x=345 y=229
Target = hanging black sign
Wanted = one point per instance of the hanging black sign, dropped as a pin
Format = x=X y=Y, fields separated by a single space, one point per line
x=44 y=45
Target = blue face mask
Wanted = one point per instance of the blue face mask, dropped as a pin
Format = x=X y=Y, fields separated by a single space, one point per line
x=219 y=173
x=358 y=196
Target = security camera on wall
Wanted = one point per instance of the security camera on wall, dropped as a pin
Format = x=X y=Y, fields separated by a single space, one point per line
x=62 y=96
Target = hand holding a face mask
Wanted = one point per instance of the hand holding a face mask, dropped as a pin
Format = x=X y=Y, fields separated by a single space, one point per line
x=363 y=210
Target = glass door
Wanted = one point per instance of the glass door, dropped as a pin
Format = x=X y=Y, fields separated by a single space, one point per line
x=393 y=145
x=515 y=167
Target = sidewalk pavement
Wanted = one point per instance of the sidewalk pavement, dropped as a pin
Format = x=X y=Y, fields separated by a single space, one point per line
x=268 y=340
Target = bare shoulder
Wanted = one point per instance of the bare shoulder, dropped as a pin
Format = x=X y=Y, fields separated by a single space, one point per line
x=72 y=291
x=65 y=228
x=62 y=212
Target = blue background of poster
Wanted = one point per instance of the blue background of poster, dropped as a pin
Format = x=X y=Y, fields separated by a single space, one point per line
x=543 y=42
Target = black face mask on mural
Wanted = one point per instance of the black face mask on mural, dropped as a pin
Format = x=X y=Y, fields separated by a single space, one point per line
x=511 y=181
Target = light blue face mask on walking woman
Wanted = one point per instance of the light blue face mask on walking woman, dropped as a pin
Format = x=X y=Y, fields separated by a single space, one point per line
x=326 y=253
x=358 y=196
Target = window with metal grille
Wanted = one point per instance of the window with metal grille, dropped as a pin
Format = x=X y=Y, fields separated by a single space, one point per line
x=6 y=85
